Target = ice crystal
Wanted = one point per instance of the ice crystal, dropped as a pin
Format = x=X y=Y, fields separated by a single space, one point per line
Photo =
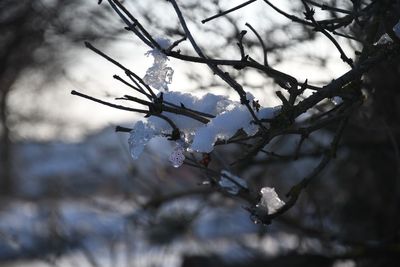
x=140 y=135
x=159 y=75
x=177 y=157
x=270 y=200
x=231 y=183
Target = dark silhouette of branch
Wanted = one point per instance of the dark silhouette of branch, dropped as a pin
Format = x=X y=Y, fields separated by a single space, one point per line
x=228 y=11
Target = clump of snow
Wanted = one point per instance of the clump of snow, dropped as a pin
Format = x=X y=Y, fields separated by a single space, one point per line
x=249 y=96
x=142 y=132
x=164 y=43
x=231 y=183
x=207 y=104
x=230 y=116
x=270 y=201
x=177 y=157
x=159 y=75
x=140 y=135
x=226 y=124
x=396 y=29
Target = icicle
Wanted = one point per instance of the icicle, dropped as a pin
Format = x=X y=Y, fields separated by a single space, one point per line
x=140 y=135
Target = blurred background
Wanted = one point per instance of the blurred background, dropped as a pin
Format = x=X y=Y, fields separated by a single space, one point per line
x=72 y=196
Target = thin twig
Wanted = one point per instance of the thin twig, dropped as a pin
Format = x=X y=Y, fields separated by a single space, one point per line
x=73 y=92
x=128 y=72
x=123 y=129
x=228 y=11
x=140 y=90
x=189 y=109
x=291 y=17
x=331 y=8
x=310 y=16
x=261 y=42
x=131 y=26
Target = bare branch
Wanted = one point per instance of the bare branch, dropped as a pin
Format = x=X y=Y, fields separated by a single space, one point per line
x=228 y=11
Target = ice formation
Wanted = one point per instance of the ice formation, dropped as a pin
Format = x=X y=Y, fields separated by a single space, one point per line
x=231 y=183
x=159 y=75
x=270 y=201
x=140 y=135
x=177 y=157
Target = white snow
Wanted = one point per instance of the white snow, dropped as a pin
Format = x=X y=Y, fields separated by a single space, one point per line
x=230 y=116
x=163 y=42
x=270 y=200
x=226 y=124
x=249 y=96
x=207 y=104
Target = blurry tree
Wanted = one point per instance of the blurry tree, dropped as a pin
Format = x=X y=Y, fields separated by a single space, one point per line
x=35 y=37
